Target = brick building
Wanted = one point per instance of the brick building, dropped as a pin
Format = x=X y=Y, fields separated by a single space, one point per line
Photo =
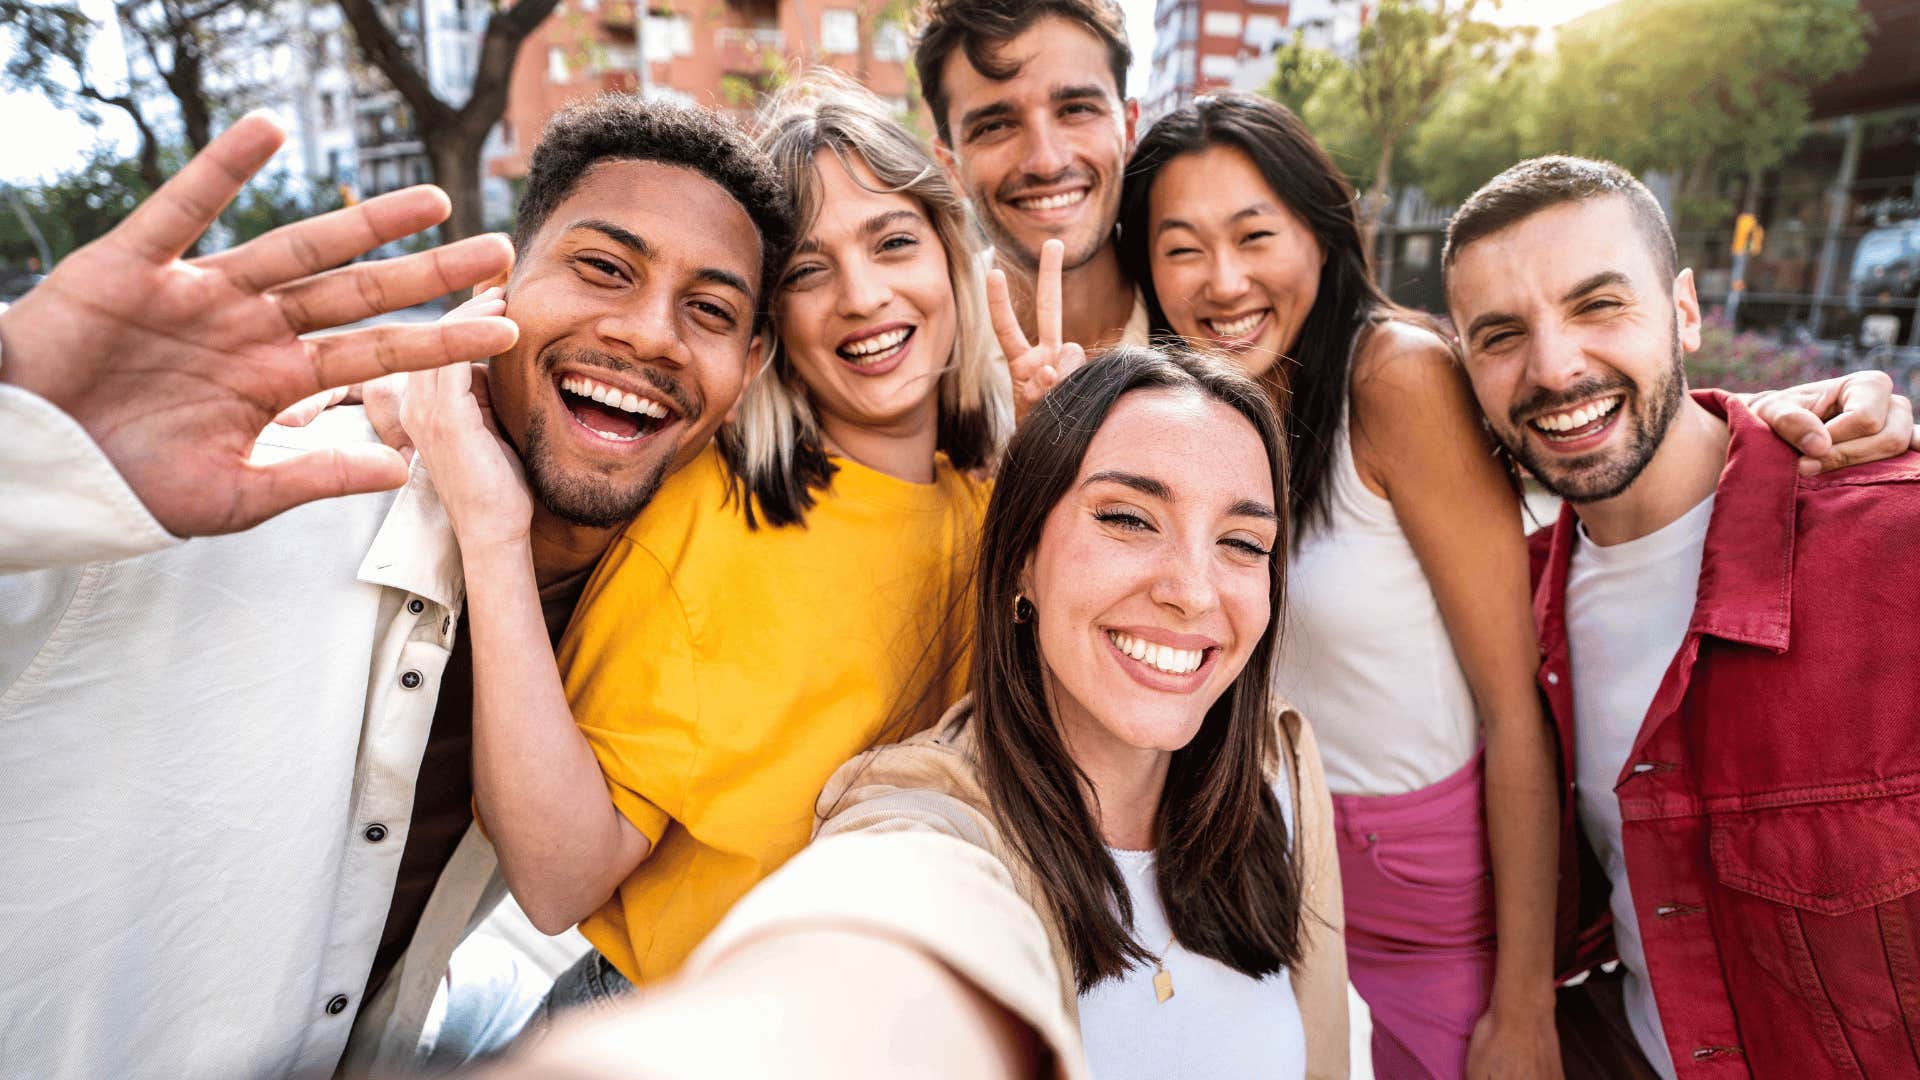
x=1203 y=45
x=721 y=53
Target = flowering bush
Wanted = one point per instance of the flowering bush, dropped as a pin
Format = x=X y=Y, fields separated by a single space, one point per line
x=1744 y=360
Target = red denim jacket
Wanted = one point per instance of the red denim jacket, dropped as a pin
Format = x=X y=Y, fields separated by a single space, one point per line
x=1771 y=802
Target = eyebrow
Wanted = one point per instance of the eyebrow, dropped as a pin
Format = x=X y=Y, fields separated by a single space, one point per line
x=1059 y=96
x=1241 y=214
x=1598 y=281
x=638 y=245
x=874 y=225
x=1147 y=485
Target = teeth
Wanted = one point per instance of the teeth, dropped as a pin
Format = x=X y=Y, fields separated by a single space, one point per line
x=1052 y=202
x=878 y=343
x=1159 y=657
x=1577 y=418
x=613 y=397
x=1237 y=326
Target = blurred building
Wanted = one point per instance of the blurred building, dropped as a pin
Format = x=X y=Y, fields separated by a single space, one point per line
x=1203 y=45
x=720 y=53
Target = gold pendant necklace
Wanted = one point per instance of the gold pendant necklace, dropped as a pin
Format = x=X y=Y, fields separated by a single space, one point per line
x=1163 y=979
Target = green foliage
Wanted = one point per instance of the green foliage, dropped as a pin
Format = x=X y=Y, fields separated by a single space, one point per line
x=1477 y=130
x=73 y=209
x=1299 y=71
x=274 y=200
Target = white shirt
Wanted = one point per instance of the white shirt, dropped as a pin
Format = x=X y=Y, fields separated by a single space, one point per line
x=1219 y=1023
x=1365 y=654
x=196 y=740
x=1628 y=606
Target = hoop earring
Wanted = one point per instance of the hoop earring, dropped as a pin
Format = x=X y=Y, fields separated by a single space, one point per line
x=1022 y=608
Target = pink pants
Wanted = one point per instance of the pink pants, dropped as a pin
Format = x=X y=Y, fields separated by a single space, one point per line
x=1419 y=892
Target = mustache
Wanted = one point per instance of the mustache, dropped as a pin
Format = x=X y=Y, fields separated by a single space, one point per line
x=659 y=381
x=1546 y=401
x=1016 y=186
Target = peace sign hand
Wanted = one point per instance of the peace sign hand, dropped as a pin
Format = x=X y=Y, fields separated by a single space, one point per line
x=174 y=367
x=1035 y=368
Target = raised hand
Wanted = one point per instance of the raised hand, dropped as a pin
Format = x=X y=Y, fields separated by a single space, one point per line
x=448 y=414
x=1036 y=368
x=1849 y=420
x=174 y=367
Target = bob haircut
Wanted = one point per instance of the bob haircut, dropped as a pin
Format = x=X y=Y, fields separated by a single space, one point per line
x=773 y=448
x=1314 y=381
x=1225 y=867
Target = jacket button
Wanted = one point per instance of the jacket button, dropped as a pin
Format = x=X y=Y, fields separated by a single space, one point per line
x=416 y=605
x=1553 y=678
x=410 y=680
x=375 y=833
x=336 y=1004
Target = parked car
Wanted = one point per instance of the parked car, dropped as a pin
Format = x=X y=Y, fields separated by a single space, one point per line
x=14 y=284
x=1886 y=279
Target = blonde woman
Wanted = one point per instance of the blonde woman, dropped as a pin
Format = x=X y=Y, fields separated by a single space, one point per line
x=791 y=597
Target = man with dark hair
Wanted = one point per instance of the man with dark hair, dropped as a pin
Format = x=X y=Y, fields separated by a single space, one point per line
x=1729 y=653
x=236 y=766
x=1029 y=100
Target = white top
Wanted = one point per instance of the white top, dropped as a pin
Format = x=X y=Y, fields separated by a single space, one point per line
x=1628 y=607
x=196 y=738
x=1219 y=1023
x=1365 y=654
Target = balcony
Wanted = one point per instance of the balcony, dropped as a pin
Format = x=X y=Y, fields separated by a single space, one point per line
x=746 y=51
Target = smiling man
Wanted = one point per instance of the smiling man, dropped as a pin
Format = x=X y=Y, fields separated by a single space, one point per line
x=1729 y=657
x=236 y=765
x=1033 y=124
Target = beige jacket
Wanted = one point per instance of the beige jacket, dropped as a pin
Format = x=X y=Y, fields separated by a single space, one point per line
x=908 y=847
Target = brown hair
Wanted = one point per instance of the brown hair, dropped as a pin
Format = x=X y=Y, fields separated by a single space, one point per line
x=1545 y=182
x=1225 y=867
x=980 y=27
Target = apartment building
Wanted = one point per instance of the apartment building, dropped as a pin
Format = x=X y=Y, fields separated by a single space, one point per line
x=720 y=53
x=1205 y=45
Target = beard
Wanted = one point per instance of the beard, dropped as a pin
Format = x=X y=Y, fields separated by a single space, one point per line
x=1080 y=250
x=583 y=498
x=1605 y=473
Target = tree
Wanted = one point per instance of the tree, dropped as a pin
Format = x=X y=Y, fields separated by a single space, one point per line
x=50 y=58
x=74 y=208
x=1409 y=54
x=205 y=52
x=1489 y=121
x=1705 y=90
x=453 y=134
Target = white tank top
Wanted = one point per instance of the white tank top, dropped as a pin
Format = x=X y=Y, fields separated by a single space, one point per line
x=1219 y=1024
x=1364 y=655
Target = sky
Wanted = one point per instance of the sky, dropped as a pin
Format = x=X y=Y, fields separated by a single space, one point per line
x=42 y=140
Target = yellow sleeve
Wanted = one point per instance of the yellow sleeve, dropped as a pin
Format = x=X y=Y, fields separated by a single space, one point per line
x=631 y=679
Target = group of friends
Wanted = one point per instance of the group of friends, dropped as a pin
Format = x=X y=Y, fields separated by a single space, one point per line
x=1083 y=654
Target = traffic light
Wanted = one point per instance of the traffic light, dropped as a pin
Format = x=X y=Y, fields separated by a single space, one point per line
x=1747 y=235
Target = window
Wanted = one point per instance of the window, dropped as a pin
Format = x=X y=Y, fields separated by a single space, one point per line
x=1265 y=32
x=668 y=36
x=890 y=43
x=839 y=32
x=1219 y=67
x=1221 y=24
x=557 y=71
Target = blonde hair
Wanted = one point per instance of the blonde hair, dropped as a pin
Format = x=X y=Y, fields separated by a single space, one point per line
x=773 y=446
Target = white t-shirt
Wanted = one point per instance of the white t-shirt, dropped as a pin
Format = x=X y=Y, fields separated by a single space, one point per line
x=1219 y=1023
x=1628 y=606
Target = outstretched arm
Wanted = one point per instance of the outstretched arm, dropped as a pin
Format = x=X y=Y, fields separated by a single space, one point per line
x=1421 y=438
x=173 y=366
x=563 y=846
x=1850 y=420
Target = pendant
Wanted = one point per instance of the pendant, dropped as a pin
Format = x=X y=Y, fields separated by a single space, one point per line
x=1162 y=985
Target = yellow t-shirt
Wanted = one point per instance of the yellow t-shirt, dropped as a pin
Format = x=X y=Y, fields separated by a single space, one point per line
x=722 y=674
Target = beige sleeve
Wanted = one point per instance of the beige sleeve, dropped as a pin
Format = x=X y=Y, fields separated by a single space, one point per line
x=1320 y=978
x=910 y=879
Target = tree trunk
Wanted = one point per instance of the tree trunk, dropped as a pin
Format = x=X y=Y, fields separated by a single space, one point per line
x=456 y=168
x=1374 y=213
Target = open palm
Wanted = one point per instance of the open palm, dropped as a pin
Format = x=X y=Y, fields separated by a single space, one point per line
x=174 y=366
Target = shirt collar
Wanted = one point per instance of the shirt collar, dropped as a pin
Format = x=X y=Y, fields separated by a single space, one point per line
x=1746 y=572
x=415 y=550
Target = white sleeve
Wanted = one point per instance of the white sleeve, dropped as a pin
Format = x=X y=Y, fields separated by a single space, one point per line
x=62 y=503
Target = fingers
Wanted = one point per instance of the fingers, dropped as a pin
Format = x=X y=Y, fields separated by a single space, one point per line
x=172 y=218
x=302 y=412
x=322 y=474
x=1006 y=325
x=352 y=293
x=1864 y=399
x=359 y=355
x=1896 y=437
x=321 y=243
x=1046 y=295
x=1071 y=357
x=383 y=399
x=490 y=301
